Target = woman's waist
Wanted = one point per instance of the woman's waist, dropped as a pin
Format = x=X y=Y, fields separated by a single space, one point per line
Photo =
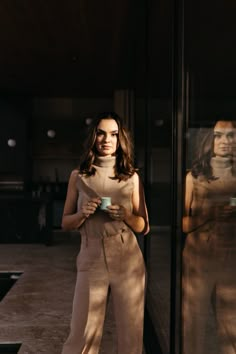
x=102 y=229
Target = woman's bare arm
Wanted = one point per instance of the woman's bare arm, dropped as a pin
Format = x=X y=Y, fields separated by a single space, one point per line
x=189 y=222
x=138 y=219
x=72 y=218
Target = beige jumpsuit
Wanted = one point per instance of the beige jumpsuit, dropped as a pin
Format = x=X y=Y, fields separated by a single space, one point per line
x=109 y=257
x=209 y=266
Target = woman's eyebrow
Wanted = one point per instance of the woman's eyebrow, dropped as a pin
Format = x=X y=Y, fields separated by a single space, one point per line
x=103 y=131
x=224 y=131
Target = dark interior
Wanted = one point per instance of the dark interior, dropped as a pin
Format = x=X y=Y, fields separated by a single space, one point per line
x=63 y=62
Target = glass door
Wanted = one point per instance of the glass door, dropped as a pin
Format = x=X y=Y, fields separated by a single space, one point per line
x=189 y=174
x=153 y=147
x=208 y=305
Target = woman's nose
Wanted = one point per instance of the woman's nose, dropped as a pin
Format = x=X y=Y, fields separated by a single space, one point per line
x=106 y=137
x=225 y=139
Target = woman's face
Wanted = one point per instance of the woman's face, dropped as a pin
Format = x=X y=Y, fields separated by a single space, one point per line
x=224 y=139
x=107 y=137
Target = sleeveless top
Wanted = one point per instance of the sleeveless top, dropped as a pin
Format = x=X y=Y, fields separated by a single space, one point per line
x=102 y=184
x=208 y=194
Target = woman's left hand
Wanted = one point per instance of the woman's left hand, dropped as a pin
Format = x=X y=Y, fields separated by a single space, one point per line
x=116 y=212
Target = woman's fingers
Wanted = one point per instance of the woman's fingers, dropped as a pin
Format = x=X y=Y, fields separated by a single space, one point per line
x=90 y=207
x=116 y=212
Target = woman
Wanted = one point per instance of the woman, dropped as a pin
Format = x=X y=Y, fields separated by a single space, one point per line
x=110 y=257
x=209 y=257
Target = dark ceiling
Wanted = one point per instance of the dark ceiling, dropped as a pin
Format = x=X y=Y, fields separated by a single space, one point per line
x=68 y=47
x=90 y=47
x=81 y=47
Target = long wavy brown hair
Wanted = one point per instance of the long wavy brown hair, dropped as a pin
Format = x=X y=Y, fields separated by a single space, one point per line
x=124 y=167
x=205 y=151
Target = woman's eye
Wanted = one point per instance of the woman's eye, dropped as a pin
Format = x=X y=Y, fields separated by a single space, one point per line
x=217 y=136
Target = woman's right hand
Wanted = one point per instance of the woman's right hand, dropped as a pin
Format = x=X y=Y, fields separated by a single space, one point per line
x=90 y=207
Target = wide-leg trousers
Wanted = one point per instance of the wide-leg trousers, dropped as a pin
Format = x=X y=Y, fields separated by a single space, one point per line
x=114 y=262
x=209 y=294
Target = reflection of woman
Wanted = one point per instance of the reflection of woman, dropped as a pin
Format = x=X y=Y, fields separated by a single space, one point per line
x=209 y=256
x=110 y=256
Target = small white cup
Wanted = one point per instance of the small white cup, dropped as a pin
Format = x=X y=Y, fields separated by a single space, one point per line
x=105 y=201
x=232 y=201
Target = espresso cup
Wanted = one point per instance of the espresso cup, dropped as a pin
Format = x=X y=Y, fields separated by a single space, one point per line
x=232 y=201
x=105 y=201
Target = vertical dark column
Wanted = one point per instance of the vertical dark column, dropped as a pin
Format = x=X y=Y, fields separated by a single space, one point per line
x=147 y=142
x=178 y=169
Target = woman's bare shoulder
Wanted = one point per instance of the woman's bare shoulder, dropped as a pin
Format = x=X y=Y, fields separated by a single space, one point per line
x=135 y=177
x=74 y=175
x=189 y=176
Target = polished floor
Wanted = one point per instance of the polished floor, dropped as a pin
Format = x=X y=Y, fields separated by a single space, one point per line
x=36 y=311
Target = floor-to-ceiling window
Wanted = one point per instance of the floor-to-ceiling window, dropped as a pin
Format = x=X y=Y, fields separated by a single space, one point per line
x=190 y=85
x=153 y=140
x=208 y=279
x=205 y=180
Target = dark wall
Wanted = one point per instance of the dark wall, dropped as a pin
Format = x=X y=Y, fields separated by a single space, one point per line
x=13 y=160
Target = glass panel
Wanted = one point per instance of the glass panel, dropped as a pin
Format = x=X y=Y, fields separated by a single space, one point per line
x=153 y=154
x=209 y=224
x=159 y=239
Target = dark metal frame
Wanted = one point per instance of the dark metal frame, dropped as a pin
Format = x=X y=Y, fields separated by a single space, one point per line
x=179 y=119
x=180 y=109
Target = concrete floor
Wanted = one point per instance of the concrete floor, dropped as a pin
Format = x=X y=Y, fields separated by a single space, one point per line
x=159 y=277
x=36 y=311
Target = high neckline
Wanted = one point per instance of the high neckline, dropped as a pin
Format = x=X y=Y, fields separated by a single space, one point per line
x=221 y=167
x=221 y=162
x=105 y=161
